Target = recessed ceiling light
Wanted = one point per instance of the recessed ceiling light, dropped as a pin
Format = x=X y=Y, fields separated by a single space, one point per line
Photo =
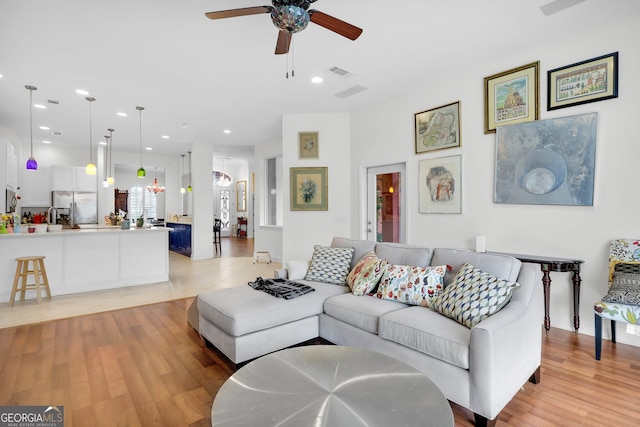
x=1 y=76
x=44 y=127
x=227 y=131
x=183 y=124
x=316 y=79
x=82 y=92
x=148 y=148
x=42 y=107
x=165 y=136
x=46 y=142
x=121 y=114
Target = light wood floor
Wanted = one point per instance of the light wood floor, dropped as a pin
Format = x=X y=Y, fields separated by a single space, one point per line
x=145 y=366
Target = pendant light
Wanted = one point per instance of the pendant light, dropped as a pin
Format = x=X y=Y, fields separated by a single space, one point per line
x=110 y=179
x=31 y=163
x=189 y=188
x=91 y=167
x=105 y=165
x=182 y=189
x=141 y=172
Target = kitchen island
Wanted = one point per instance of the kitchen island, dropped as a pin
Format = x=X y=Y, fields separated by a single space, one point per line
x=89 y=259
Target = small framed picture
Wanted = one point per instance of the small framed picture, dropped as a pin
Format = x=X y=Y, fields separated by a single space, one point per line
x=308 y=145
x=583 y=82
x=512 y=97
x=438 y=128
x=309 y=189
x=440 y=185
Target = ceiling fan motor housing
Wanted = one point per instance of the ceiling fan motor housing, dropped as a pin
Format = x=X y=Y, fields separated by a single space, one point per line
x=290 y=18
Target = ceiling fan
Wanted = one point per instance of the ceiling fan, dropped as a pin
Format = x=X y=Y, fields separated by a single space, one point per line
x=292 y=16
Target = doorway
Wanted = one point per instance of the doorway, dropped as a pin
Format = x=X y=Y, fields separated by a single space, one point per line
x=386 y=212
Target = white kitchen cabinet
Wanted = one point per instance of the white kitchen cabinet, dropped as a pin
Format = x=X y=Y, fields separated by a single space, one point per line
x=35 y=190
x=9 y=161
x=72 y=178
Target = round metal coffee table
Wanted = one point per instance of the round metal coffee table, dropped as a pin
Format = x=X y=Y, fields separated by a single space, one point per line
x=326 y=385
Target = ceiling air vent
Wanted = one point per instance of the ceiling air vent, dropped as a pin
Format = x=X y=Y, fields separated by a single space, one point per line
x=351 y=91
x=339 y=71
x=56 y=133
x=53 y=101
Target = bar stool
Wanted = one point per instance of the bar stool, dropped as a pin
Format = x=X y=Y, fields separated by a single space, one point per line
x=39 y=274
x=216 y=235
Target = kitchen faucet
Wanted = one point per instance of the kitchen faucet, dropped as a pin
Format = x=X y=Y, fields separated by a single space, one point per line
x=55 y=218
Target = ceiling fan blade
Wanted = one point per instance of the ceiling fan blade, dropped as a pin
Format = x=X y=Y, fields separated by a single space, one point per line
x=334 y=24
x=283 y=43
x=238 y=12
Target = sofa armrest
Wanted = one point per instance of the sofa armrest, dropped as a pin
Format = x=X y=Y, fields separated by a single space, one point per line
x=280 y=273
x=506 y=348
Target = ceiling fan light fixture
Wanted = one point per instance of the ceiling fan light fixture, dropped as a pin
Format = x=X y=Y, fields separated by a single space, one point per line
x=292 y=19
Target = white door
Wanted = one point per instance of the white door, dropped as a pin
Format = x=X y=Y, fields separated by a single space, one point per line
x=386 y=204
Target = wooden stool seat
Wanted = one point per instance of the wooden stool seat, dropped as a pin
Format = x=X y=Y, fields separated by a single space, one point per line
x=20 y=281
x=262 y=256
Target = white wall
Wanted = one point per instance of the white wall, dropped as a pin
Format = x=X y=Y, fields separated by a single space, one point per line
x=304 y=229
x=266 y=237
x=383 y=134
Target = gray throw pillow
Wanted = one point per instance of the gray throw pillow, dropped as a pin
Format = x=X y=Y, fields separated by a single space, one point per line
x=625 y=289
x=330 y=265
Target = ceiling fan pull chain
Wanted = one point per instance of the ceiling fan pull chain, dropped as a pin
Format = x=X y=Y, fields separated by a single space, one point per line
x=287 y=65
x=293 y=57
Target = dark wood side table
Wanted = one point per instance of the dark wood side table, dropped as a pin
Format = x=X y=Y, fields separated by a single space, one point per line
x=561 y=265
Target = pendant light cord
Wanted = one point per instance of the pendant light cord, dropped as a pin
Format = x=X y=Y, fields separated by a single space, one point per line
x=90 y=128
x=31 y=116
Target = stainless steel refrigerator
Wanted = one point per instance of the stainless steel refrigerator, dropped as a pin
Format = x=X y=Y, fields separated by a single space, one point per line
x=81 y=206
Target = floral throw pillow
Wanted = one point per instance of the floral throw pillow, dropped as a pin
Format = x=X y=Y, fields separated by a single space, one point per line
x=473 y=296
x=366 y=274
x=412 y=285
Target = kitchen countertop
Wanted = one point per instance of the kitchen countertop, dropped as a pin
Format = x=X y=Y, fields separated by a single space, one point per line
x=68 y=231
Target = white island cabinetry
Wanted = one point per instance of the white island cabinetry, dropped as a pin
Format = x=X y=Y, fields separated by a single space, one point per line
x=89 y=259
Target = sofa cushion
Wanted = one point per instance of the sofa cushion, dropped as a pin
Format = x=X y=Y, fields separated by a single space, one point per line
x=361 y=247
x=473 y=296
x=241 y=310
x=411 y=285
x=625 y=289
x=297 y=269
x=428 y=332
x=403 y=254
x=500 y=265
x=330 y=265
x=364 y=277
x=361 y=312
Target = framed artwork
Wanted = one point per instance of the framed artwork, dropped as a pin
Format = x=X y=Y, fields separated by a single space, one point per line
x=587 y=81
x=512 y=97
x=547 y=162
x=309 y=190
x=438 y=128
x=308 y=145
x=440 y=185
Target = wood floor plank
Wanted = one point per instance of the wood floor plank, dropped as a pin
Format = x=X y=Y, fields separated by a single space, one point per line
x=145 y=366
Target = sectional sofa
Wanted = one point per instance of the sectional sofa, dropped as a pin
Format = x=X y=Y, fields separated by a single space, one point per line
x=479 y=365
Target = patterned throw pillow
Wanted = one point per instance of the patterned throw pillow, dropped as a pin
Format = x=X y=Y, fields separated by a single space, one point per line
x=412 y=285
x=330 y=265
x=625 y=289
x=366 y=274
x=473 y=296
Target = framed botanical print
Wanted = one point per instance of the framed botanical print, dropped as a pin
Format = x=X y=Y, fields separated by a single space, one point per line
x=440 y=185
x=438 y=128
x=308 y=189
x=512 y=97
x=308 y=145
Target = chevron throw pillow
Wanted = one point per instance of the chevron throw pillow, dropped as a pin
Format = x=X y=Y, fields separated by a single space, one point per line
x=473 y=296
x=330 y=265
